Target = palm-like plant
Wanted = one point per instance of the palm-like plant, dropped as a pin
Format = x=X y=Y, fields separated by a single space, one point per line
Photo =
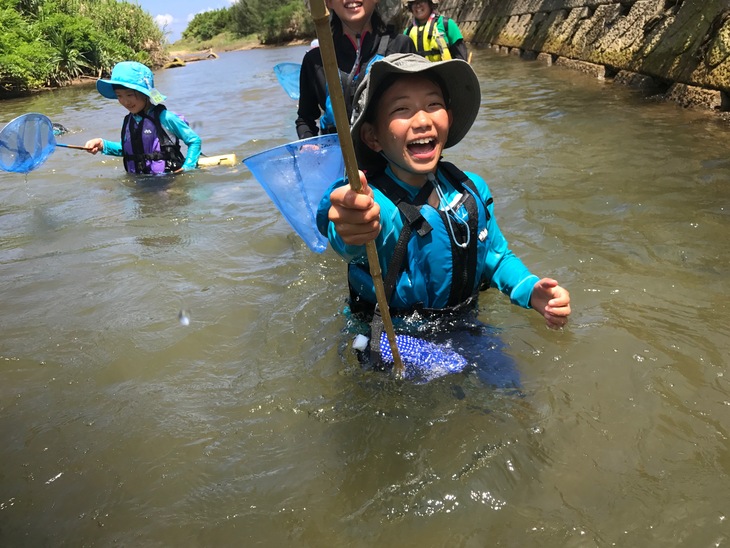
x=66 y=62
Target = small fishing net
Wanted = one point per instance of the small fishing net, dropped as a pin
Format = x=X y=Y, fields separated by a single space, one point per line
x=296 y=176
x=26 y=142
x=288 y=76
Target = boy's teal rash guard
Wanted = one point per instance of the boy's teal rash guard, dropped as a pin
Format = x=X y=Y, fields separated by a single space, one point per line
x=174 y=125
x=500 y=266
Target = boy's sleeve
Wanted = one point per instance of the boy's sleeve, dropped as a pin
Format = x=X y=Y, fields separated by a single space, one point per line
x=175 y=125
x=503 y=268
x=390 y=227
x=327 y=228
x=112 y=148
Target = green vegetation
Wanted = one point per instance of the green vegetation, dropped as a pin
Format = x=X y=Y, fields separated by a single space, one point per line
x=269 y=20
x=51 y=43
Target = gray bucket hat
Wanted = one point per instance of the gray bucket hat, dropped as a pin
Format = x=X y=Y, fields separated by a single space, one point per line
x=132 y=75
x=457 y=76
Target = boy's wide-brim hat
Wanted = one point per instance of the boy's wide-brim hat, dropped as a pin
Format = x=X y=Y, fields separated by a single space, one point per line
x=459 y=79
x=132 y=75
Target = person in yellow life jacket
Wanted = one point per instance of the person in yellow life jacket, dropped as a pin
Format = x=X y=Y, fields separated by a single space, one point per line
x=437 y=38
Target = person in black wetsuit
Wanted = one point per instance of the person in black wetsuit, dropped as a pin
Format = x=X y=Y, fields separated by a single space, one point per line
x=360 y=36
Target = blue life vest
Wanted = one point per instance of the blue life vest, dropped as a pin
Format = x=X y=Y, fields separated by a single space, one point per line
x=146 y=146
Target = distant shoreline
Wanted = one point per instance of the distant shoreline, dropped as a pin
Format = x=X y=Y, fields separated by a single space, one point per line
x=234 y=46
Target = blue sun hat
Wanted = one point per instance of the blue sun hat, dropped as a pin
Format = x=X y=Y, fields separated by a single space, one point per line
x=132 y=75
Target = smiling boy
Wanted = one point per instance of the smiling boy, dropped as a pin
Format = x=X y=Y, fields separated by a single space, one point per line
x=434 y=226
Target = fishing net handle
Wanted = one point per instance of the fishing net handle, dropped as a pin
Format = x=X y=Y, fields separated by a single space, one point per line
x=320 y=14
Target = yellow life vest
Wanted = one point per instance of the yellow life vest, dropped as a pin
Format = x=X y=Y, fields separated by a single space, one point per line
x=429 y=41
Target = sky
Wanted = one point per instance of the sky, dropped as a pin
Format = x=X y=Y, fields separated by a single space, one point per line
x=172 y=16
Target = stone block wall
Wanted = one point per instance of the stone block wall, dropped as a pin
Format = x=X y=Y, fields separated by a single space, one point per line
x=679 y=46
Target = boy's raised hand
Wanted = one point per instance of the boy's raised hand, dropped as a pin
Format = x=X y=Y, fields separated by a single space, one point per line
x=552 y=301
x=356 y=215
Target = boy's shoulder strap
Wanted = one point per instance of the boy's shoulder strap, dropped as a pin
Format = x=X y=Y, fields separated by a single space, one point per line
x=461 y=180
x=410 y=209
x=454 y=174
x=413 y=220
x=457 y=177
x=387 y=186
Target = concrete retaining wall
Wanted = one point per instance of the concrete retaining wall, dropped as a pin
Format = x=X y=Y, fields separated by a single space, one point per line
x=680 y=48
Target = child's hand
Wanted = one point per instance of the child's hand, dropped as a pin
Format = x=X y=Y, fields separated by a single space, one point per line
x=94 y=145
x=356 y=215
x=552 y=301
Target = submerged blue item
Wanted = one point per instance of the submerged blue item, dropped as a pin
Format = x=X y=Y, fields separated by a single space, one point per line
x=132 y=75
x=288 y=76
x=423 y=360
x=296 y=176
x=448 y=346
x=26 y=142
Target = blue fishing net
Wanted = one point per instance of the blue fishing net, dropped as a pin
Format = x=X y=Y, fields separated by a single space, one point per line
x=26 y=142
x=296 y=176
x=288 y=76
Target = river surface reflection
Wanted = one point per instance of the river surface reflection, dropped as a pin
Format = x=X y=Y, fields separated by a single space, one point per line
x=255 y=426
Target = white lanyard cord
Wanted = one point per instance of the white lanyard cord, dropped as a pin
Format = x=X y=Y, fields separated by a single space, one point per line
x=450 y=213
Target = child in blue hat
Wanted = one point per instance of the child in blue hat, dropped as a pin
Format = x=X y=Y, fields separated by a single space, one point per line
x=434 y=221
x=434 y=226
x=151 y=134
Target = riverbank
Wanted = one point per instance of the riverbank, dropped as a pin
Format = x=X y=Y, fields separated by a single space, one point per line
x=180 y=56
x=221 y=44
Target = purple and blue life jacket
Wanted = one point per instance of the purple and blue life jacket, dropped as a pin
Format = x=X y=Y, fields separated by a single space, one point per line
x=147 y=147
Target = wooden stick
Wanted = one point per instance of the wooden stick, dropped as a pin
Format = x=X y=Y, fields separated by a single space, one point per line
x=332 y=73
x=77 y=147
